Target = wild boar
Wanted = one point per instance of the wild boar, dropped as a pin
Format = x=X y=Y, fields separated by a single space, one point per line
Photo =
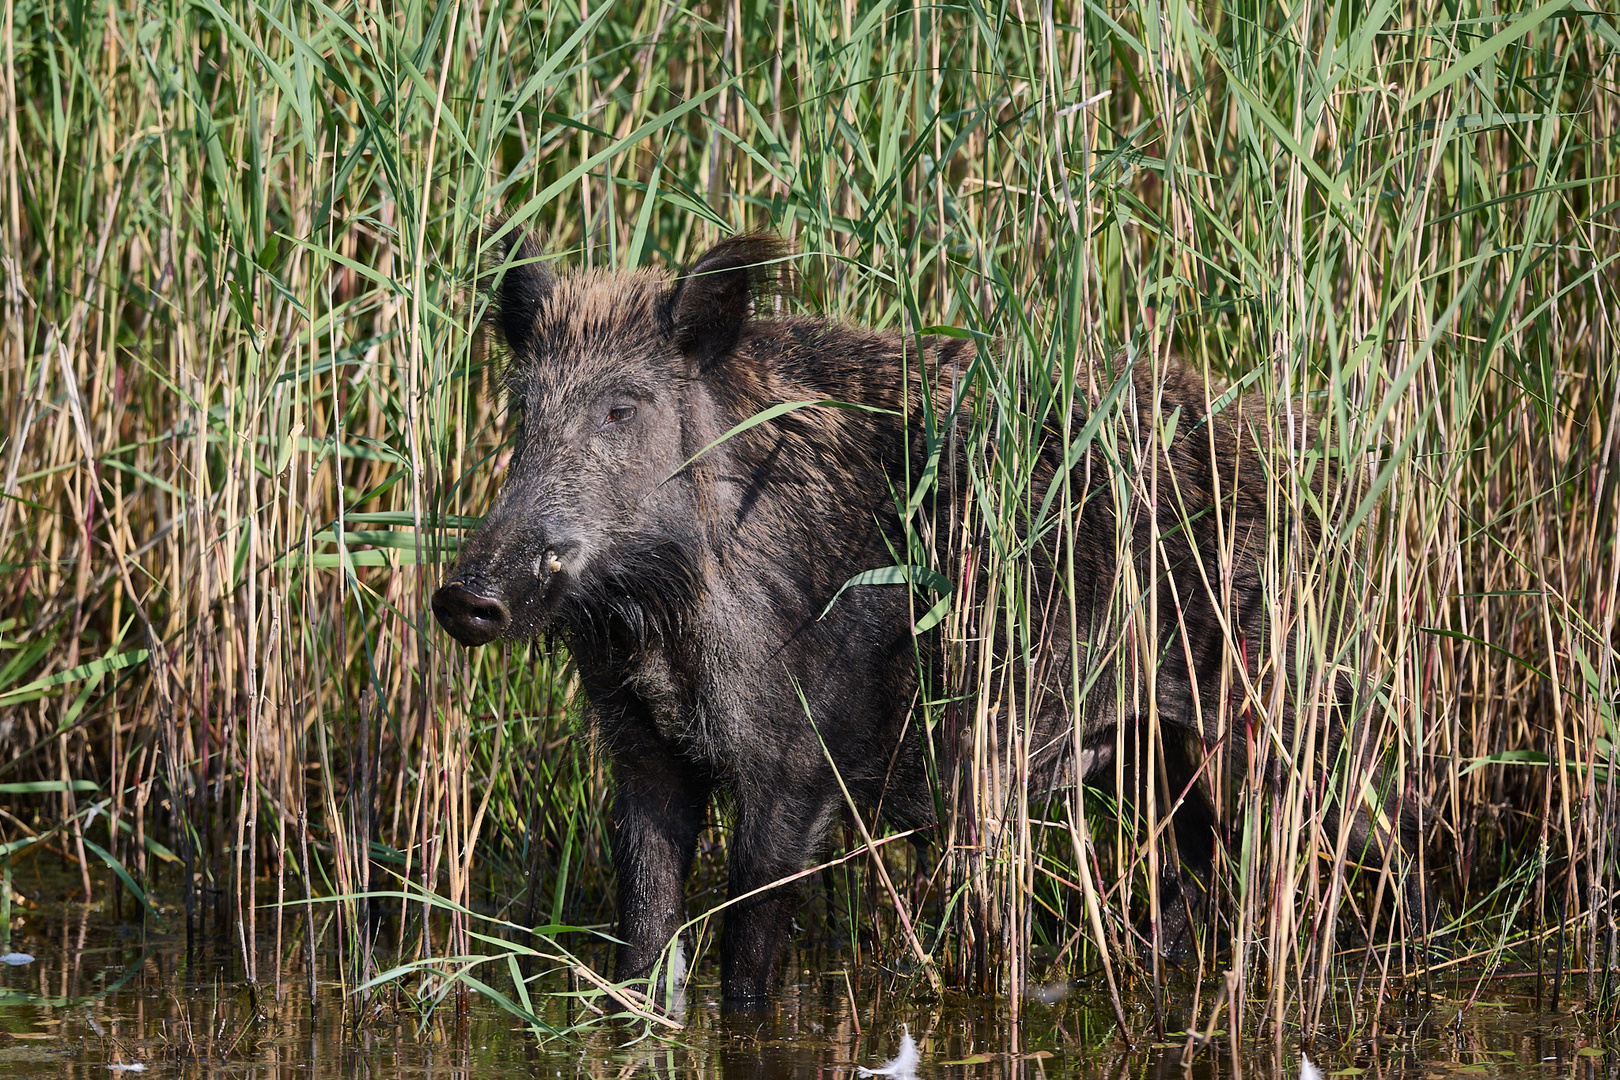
x=693 y=576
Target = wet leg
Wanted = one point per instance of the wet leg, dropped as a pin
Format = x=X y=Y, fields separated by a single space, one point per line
x=779 y=827
x=659 y=807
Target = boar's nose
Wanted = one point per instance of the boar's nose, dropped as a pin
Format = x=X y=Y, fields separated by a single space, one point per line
x=471 y=617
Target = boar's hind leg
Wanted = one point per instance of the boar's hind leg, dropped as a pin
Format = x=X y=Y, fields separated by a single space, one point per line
x=779 y=826
x=659 y=805
x=1384 y=826
x=1184 y=881
x=1384 y=836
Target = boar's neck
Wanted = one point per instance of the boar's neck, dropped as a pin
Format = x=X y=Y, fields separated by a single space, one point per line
x=872 y=435
x=793 y=507
x=821 y=474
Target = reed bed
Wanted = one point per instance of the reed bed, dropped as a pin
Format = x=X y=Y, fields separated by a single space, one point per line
x=248 y=414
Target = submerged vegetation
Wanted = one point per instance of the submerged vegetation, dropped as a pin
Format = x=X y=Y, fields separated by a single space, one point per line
x=247 y=417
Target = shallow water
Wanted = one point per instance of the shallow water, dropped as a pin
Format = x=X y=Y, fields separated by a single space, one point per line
x=105 y=1001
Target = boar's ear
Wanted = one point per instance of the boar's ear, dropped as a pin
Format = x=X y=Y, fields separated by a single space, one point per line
x=712 y=299
x=509 y=270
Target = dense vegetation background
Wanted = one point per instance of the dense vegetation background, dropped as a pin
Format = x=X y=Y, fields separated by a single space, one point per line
x=246 y=416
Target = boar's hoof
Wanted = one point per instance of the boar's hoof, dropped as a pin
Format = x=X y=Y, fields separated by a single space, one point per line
x=471 y=618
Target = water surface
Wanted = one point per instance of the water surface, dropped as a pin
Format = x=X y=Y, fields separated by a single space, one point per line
x=106 y=1000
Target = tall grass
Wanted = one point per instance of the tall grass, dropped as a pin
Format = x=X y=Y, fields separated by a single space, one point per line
x=247 y=416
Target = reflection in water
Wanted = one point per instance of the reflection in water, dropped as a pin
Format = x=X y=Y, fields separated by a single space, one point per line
x=107 y=1003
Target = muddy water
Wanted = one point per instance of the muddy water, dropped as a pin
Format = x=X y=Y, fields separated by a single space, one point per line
x=100 y=1001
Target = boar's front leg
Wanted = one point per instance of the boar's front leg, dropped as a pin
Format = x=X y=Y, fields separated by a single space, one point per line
x=659 y=805
x=779 y=826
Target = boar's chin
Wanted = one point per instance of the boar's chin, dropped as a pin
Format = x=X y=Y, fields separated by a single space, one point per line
x=637 y=597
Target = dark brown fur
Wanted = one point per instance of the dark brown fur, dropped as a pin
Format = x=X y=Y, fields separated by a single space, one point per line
x=692 y=595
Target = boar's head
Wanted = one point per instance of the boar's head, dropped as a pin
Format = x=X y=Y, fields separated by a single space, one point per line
x=608 y=386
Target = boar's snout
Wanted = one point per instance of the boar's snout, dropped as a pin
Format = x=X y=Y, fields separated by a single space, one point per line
x=471 y=617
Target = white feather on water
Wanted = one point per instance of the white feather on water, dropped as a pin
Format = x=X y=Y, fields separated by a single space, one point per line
x=1050 y=993
x=1308 y=1069
x=903 y=1066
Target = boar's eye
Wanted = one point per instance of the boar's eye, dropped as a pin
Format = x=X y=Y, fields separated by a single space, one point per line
x=618 y=415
